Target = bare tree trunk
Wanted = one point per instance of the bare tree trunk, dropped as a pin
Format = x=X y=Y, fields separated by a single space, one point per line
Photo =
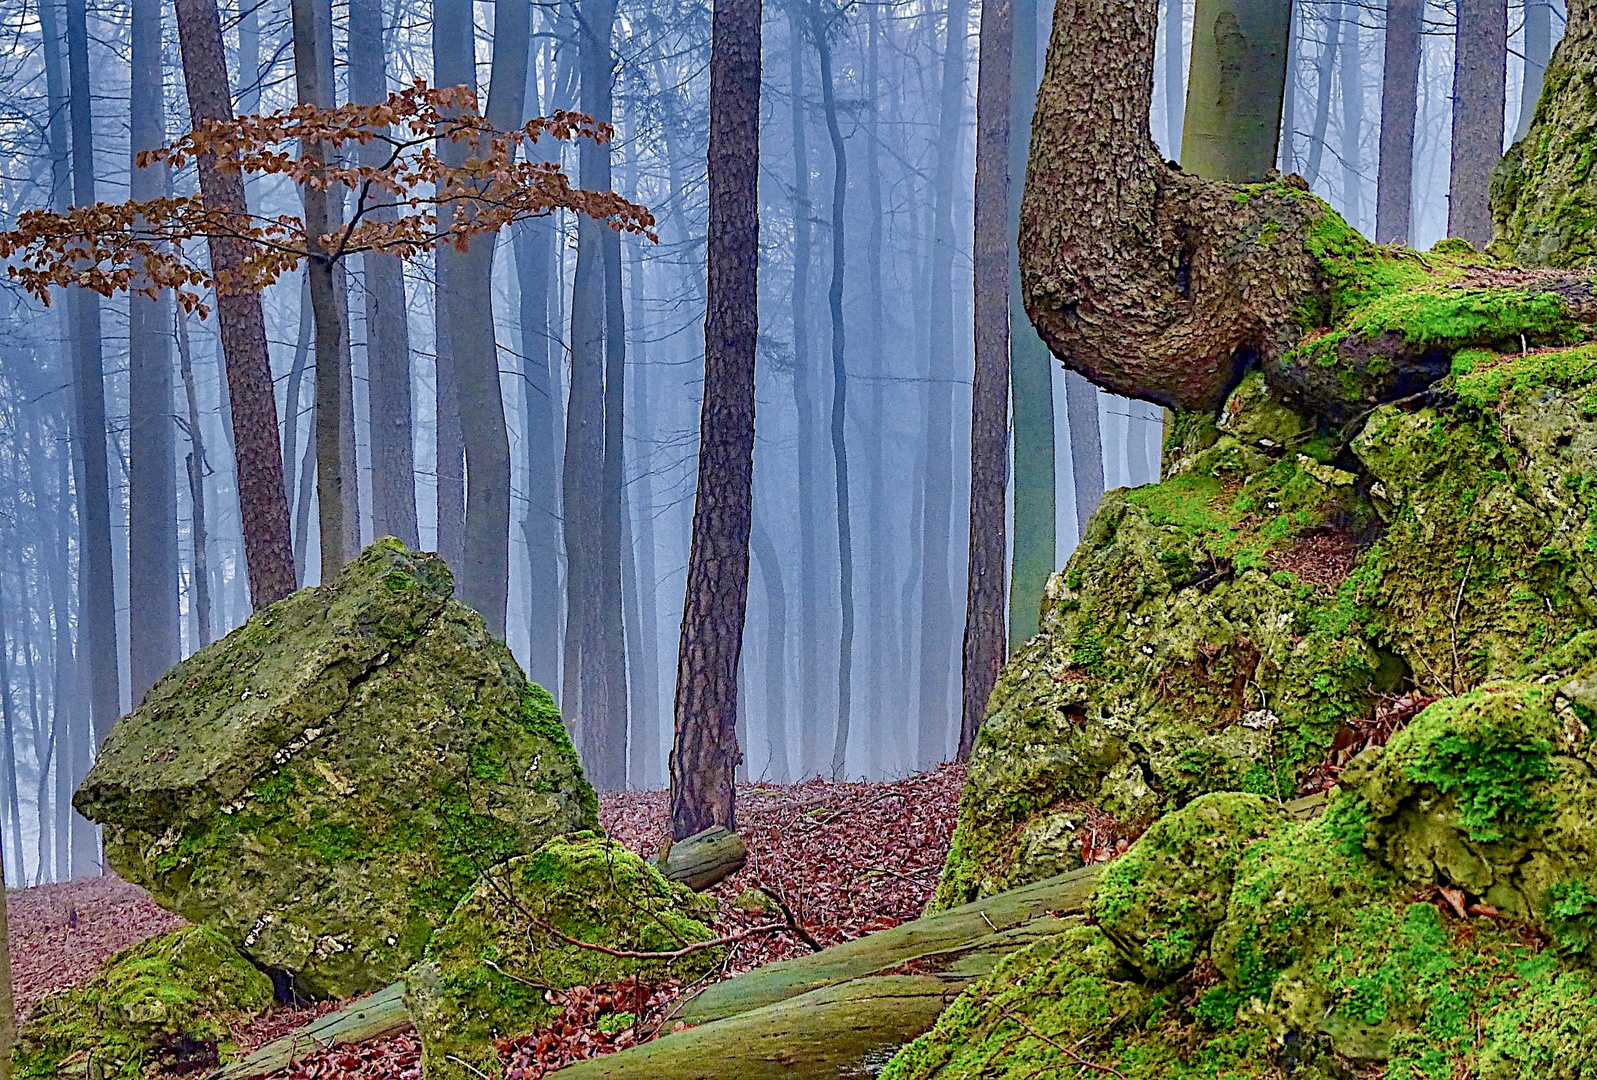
x=809 y=591
x=263 y=502
x=291 y=414
x=8 y=1008
x=1174 y=91
x=775 y=650
x=249 y=56
x=1538 y=48
x=94 y=570
x=153 y=636
x=937 y=607
x=1322 y=102
x=1086 y=447
x=1394 y=180
x=200 y=597
x=1031 y=365
x=387 y=318
x=8 y=721
x=1233 y=117
x=454 y=64
x=336 y=482
x=879 y=563
x=1352 y=72
x=1480 y=74
x=989 y=417
x=705 y=751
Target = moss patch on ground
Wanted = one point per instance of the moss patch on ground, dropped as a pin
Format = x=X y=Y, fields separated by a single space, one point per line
x=164 y=1004
x=493 y=968
x=325 y=783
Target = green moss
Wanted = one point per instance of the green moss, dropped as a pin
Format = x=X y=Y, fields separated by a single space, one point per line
x=489 y=965
x=166 y=1002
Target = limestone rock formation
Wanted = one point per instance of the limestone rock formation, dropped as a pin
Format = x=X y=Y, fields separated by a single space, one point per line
x=490 y=969
x=323 y=784
x=165 y=1003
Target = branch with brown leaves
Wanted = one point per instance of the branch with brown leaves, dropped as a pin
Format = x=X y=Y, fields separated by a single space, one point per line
x=146 y=246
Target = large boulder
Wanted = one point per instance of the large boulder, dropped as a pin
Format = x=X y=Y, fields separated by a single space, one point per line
x=540 y=924
x=324 y=784
x=163 y=1004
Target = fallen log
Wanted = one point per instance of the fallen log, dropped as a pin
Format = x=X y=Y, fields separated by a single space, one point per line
x=704 y=858
x=372 y=1017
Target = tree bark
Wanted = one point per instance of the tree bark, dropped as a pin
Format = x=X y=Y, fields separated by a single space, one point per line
x=1175 y=97
x=878 y=508
x=1394 y=180
x=1233 y=117
x=387 y=317
x=200 y=569
x=1480 y=73
x=336 y=482
x=94 y=567
x=263 y=502
x=454 y=64
x=989 y=418
x=1351 y=70
x=1538 y=48
x=1322 y=100
x=153 y=635
x=937 y=602
x=1030 y=365
x=770 y=565
x=704 y=750
x=834 y=301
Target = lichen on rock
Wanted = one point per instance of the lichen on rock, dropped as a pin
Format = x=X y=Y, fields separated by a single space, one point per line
x=494 y=969
x=322 y=785
x=163 y=1004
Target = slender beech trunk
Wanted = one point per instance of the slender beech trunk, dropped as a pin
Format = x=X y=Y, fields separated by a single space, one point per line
x=454 y=64
x=153 y=634
x=1086 y=447
x=95 y=568
x=1322 y=102
x=775 y=650
x=1480 y=73
x=249 y=56
x=937 y=606
x=1351 y=69
x=263 y=502
x=1174 y=92
x=1288 y=155
x=989 y=415
x=809 y=591
x=195 y=467
x=8 y=722
x=336 y=487
x=1233 y=118
x=8 y=1008
x=1394 y=181
x=704 y=751
x=387 y=317
x=879 y=563
x=1030 y=363
x=291 y=415
x=1538 y=48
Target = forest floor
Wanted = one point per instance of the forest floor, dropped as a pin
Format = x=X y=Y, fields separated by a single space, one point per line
x=847 y=858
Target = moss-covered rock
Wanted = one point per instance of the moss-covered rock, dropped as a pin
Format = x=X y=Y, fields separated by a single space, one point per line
x=163 y=1004
x=323 y=784
x=1178 y=657
x=492 y=970
x=1162 y=899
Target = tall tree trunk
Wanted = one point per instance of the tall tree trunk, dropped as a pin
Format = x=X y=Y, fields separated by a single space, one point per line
x=1175 y=97
x=1480 y=74
x=263 y=502
x=1394 y=179
x=387 y=316
x=337 y=498
x=1086 y=447
x=454 y=64
x=1352 y=72
x=249 y=56
x=704 y=751
x=879 y=566
x=809 y=591
x=94 y=568
x=8 y=1008
x=200 y=561
x=484 y=569
x=1235 y=87
x=1322 y=102
x=937 y=607
x=1538 y=48
x=989 y=413
x=1030 y=363
x=834 y=300
x=291 y=415
x=775 y=650
x=153 y=635
x=8 y=721
x=1288 y=155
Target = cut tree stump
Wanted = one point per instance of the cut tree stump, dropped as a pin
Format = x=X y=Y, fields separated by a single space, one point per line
x=704 y=858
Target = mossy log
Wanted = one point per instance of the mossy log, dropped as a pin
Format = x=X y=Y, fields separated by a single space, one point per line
x=372 y=1017
x=1162 y=285
x=704 y=858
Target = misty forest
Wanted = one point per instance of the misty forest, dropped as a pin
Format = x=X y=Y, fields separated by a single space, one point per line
x=697 y=539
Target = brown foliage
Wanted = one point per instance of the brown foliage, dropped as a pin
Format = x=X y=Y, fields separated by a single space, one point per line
x=146 y=245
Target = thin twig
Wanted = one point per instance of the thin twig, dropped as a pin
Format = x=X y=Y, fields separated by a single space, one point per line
x=792 y=922
x=1085 y=1063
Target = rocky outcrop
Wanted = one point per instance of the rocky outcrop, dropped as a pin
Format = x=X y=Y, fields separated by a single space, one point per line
x=162 y=1005
x=1437 y=920
x=323 y=784
x=537 y=925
